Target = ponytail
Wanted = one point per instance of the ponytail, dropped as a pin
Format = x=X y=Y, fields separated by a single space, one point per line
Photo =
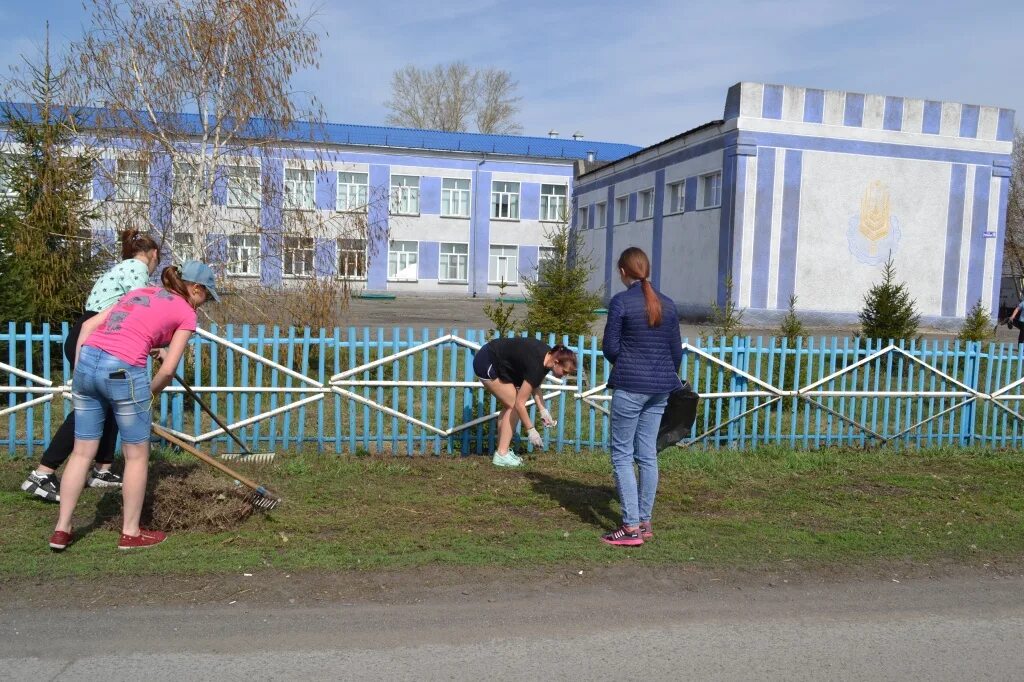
x=562 y=354
x=635 y=264
x=133 y=243
x=172 y=281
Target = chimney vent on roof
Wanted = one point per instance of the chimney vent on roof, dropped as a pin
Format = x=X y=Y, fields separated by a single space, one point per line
x=552 y=133
x=577 y=135
x=590 y=156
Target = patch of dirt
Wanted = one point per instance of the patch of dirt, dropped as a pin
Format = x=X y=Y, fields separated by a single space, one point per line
x=182 y=497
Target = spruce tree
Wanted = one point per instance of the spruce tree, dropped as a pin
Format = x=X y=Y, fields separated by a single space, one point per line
x=791 y=327
x=889 y=311
x=977 y=325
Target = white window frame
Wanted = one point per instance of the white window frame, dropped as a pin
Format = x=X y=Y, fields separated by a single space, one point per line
x=622 y=200
x=506 y=200
x=299 y=189
x=131 y=186
x=345 y=254
x=186 y=185
x=642 y=212
x=457 y=199
x=446 y=260
x=583 y=218
x=405 y=261
x=601 y=215
x=244 y=186
x=716 y=179
x=353 y=196
x=244 y=251
x=405 y=195
x=496 y=261
x=183 y=246
x=293 y=245
x=679 y=189
x=552 y=204
x=545 y=254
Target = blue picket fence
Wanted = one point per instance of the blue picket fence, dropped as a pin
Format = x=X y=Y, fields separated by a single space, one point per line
x=755 y=391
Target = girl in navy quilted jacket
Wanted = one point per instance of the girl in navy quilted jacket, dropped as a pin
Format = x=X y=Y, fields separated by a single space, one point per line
x=641 y=340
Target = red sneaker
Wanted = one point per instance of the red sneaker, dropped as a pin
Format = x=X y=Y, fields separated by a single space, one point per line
x=59 y=540
x=145 y=538
x=623 y=537
x=646 y=531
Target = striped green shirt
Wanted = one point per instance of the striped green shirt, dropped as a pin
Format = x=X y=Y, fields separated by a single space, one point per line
x=116 y=282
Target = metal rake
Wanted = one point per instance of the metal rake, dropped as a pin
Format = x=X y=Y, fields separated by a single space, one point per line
x=246 y=455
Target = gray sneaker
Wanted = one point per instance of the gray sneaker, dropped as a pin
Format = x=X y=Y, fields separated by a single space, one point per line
x=46 y=486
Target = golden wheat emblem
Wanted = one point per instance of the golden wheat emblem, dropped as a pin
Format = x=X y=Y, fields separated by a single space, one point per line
x=874 y=215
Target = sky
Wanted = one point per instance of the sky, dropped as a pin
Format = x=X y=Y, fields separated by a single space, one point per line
x=634 y=72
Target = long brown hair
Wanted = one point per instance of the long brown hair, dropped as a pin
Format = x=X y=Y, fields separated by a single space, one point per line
x=172 y=281
x=133 y=243
x=561 y=355
x=635 y=264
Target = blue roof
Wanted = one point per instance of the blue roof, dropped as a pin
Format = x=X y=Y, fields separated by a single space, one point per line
x=381 y=136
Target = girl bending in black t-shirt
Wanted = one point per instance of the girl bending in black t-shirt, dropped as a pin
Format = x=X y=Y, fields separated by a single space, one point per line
x=512 y=370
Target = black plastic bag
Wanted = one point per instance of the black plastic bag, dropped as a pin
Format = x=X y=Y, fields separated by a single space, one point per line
x=680 y=413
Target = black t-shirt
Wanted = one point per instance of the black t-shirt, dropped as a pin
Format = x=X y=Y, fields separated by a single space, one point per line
x=520 y=359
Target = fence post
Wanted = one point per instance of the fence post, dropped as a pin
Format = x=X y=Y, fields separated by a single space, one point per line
x=972 y=357
x=737 y=384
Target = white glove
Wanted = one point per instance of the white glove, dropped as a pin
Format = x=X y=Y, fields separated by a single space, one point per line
x=545 y=417
x=535 y=439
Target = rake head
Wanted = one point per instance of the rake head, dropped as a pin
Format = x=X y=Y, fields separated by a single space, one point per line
x=253 y=457
x=262 y=499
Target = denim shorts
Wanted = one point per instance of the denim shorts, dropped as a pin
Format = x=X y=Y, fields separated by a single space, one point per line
x=102 y=380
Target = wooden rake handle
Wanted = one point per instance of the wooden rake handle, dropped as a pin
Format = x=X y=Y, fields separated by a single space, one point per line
x=169 y=437
x=213 y=415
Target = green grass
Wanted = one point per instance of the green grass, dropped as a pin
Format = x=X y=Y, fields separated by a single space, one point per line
x=715 y=508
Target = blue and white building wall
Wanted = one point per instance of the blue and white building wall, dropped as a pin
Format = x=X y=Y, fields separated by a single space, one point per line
x=819 y=188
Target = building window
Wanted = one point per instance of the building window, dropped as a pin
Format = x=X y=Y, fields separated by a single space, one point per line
x=583 y=218
x=352 y=258
x=711 y=190
x=454 y=263
x=545 y=257
x=601 y=214
x=352 y=191
x=244 y=255
x=405 y=194
x=132 y=181
x=503 y=265
x=183 y=247
x=403 y=258
x=621 y=210
x=552 y=202
x=187 y=187
x=455 y=198
x=676 y=197
x=243 y=186
x=298 y=256
x=645 y=204
x=505 y=200
x=6 y=191
x=299 y=189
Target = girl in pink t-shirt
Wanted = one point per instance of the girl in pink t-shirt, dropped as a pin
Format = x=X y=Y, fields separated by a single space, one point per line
x=111 y=373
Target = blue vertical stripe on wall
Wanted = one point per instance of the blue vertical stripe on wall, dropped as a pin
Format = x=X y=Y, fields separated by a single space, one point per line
x=271 y=221
x=762 y=227
x=609 y=241
x=529 y=201
x=954 y=233
x=658 y=227
x=1004 y=131
x=969 y=120
x=791 y=176
x=1004 y=198
x=480 y=232
x=726 y=223
x=220 y=186
x=429 y=260
x=732 y=102
x=690 y=198
x=814 y=106
x=430 y=195
x=979 y=225
x=325 y=257
x=528 y=256
x=160 y=187
x=892 y=118
x=932 y=120
x=103 y=181
x=326 y=190
x=632 y=207
x=216 y=250
x=854 y=113
x=771 y=102
x=377 y=215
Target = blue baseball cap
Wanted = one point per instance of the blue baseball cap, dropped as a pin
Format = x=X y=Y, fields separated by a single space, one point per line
x=200 y=273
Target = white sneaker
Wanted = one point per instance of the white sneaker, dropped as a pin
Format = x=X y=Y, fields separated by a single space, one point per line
x=509 y=459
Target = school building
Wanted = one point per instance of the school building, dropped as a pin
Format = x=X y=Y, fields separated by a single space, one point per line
x=805 y=192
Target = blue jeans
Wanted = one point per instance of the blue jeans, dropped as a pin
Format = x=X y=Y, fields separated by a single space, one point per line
x=102 y=382
x=635 y=421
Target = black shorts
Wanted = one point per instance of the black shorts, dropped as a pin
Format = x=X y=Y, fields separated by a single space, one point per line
x=483 y=364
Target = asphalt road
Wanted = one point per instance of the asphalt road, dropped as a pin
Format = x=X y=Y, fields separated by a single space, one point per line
x=950 y=628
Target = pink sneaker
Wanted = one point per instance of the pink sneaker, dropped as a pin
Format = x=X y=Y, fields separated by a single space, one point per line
x=623 y=537
x=59 y=540
x=145 y=538
x=646 y=531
